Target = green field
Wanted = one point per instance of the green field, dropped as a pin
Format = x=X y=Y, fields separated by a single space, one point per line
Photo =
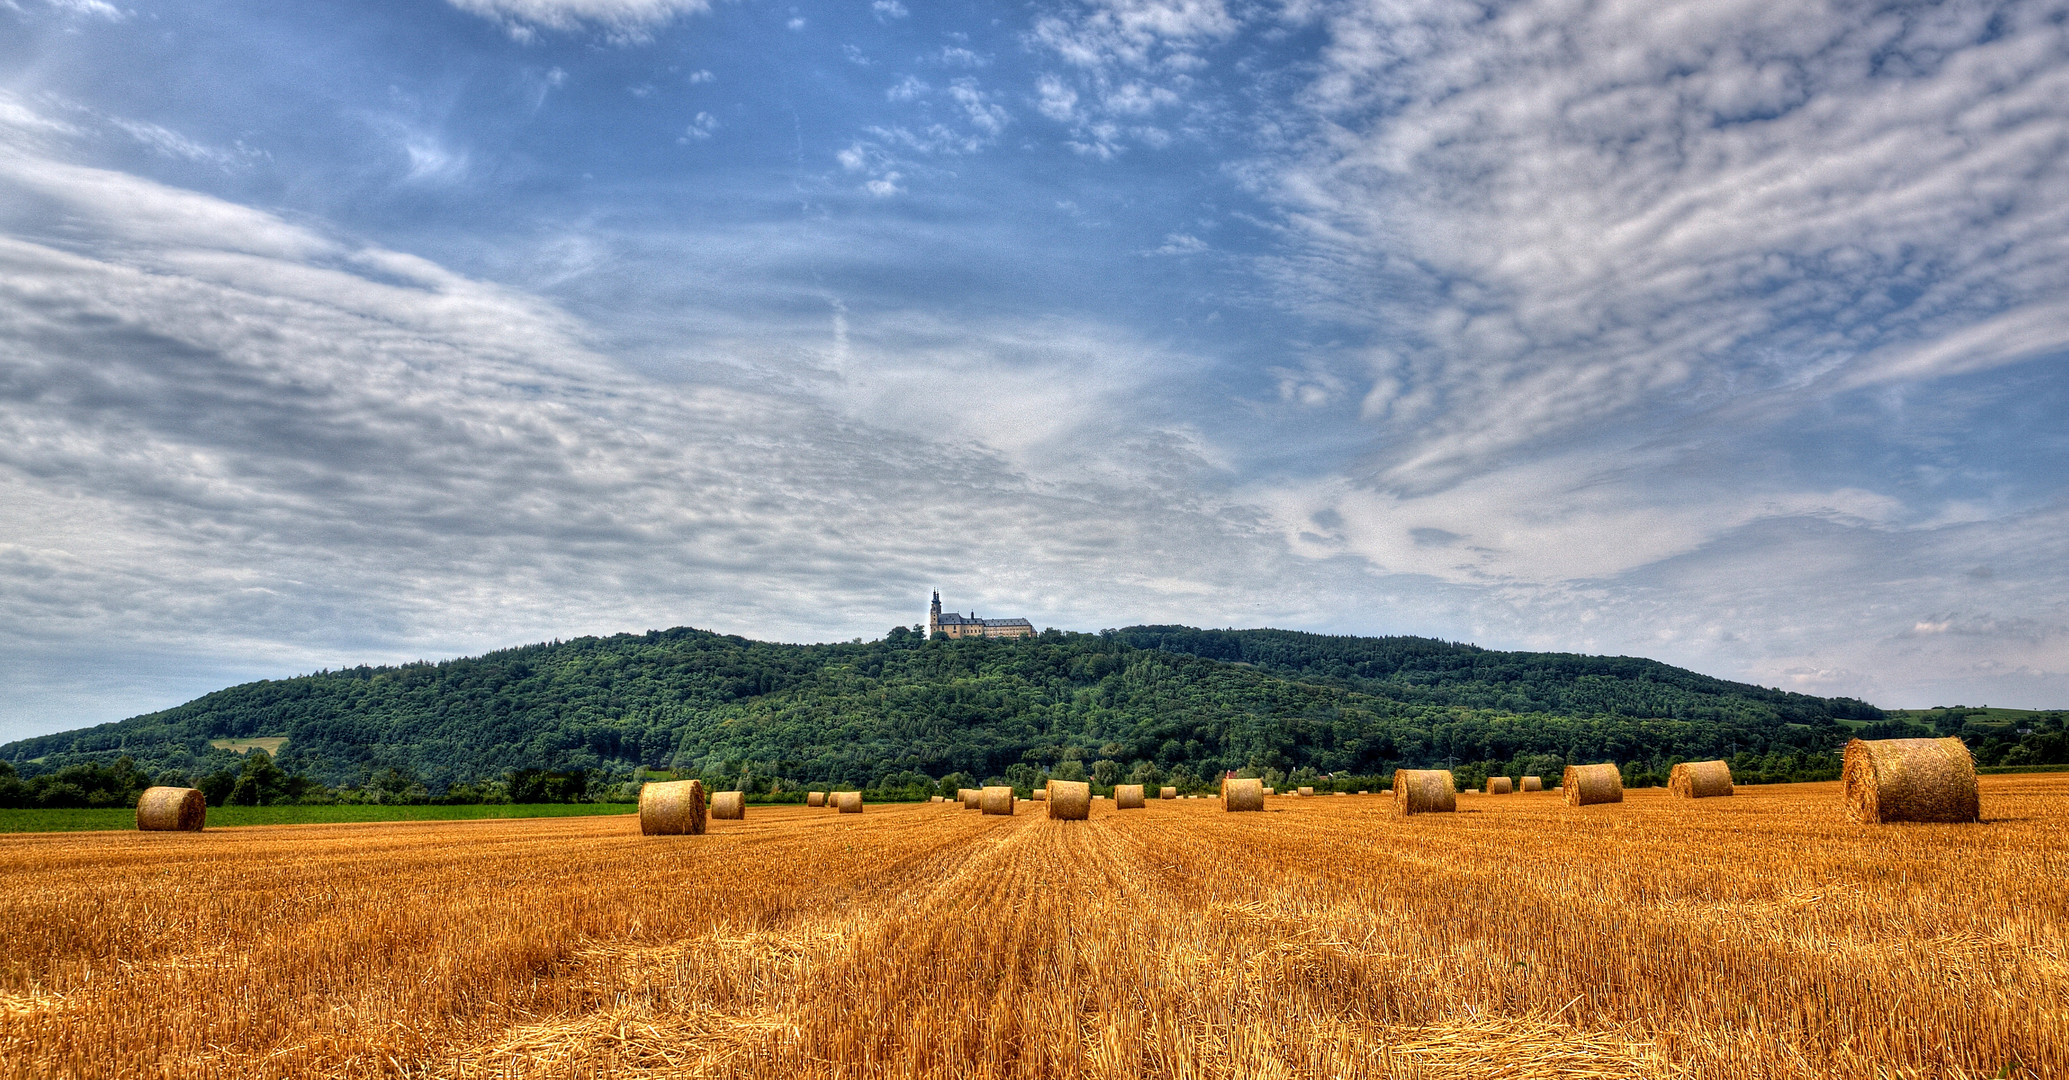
x=16 y=821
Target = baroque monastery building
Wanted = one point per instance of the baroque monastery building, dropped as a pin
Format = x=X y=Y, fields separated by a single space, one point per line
x=962 y=626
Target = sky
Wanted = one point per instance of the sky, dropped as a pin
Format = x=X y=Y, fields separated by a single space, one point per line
x=1732 y=334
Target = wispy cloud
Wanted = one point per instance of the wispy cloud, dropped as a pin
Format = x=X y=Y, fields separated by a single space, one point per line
x=628 y=20
x=1561 y=217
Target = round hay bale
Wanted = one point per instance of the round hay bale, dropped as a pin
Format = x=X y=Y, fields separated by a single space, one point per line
x=996 y=800
x=1069 y=800
x=1500 y=785
x=815 y=798
x=1271 y=791
x=728 y=805
x=671 y=808
x=968 y=797
x=1305 y=792
x=171 y=809
x=1128 y=796
x=1586 y=785
x=1700 y=779
x=1910 y=780
x=1424 y=791
x=1167 y=793
x=847 y=802
x=1238 y=795
x=1533 y=783
x=1042 y=794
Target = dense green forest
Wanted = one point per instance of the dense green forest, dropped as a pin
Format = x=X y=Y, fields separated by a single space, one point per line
x=585 y=719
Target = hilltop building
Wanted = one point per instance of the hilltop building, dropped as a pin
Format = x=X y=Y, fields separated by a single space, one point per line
x=962 y=626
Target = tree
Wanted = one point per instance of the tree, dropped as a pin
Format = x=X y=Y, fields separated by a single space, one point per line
x=260 y=783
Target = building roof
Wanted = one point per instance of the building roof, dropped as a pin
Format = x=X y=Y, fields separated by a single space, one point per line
x=950 y=618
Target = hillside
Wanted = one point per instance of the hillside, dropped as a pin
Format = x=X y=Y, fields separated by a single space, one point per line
x=1162 y=702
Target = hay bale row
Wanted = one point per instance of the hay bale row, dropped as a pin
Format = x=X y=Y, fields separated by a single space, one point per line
x=1424 y=791
x=1909 y=780
x=171 y=809
x=1500 y=785
x=1533 y=783
x=671 y=808
x=1700 y=779
x=1128 y=796
x=729 y=806
x=997 y=800
x=1586 y=785
x=1069 y=800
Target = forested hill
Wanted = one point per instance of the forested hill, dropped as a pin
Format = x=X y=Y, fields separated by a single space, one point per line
x=1424 y=670
x=1164 y=703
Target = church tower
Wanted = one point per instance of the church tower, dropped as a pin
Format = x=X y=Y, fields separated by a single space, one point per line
x=934 y=616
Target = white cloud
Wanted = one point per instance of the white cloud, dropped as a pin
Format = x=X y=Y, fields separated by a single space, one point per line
x=889 y=9
x=978 y=108
x=907 y=88
x=1125 y=60
x=621 y=19
x=701 y=126
x=1179 y=244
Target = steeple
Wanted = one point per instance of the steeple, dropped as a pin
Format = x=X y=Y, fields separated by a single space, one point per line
x=934 y=615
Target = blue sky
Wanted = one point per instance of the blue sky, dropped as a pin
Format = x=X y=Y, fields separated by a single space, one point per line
x=1732 y=334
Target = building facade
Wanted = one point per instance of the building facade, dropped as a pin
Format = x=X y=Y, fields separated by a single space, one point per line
x=961 y=626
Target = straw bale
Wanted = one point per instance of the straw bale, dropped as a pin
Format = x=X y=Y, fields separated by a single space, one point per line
x=1069 y=800
x=997 y=800
x=1042 y=794
x=728 y=805
x=1127 y=796
x=1242 y=795
x=1271 y=791
x=1362 y=791
x=1167 y=793
x=1586 y=785
x=815 y=798
x=1305 y=792
x=671 y=808
x=171 y=809
x=1909 y=780
x=847 y=802
x=1533 y=783
x=1700 y=779
x=1500 y=785
x=967 y=797
x=1424 y=791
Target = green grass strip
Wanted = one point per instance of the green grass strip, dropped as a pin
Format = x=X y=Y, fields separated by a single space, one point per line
x=15 y=821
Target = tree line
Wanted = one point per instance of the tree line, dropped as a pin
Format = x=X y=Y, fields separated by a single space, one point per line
x=903 y=714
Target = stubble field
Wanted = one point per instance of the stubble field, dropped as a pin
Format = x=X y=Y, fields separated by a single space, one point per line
x=1756 y=936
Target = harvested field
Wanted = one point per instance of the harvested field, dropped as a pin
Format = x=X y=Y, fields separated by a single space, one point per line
x=1756 y=936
